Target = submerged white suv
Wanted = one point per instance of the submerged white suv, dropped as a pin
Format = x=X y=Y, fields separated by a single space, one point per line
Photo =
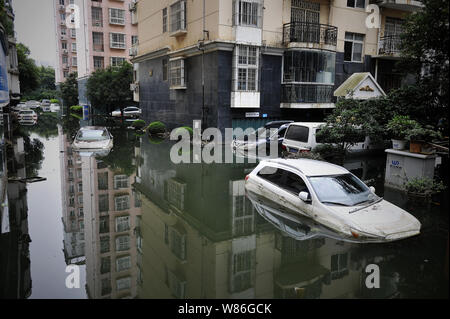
x=333 y=197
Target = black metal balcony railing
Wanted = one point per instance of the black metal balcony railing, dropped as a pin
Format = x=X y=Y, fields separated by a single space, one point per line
x=309 y=32
x=307 y=93
x=389 y=44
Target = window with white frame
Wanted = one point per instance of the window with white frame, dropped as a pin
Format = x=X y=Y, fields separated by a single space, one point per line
x=176 y=242
x=177 y=73
x=74 y=47
x=80 y=212
x=122 y=243
x=247 y=13
x=175 y=193
x=73 y=33
x=246 y=66
x=339 y=266
x=122 y=202
x=80 y=199
x=116 y=16
x=120 y=181
x=99 y=62
x=178 y=16
x=164 y=20
x=117 y=41
x=116 y=61
x=74 y=63
x=353 y=47
x=122 y=223
x=242 y=267
x=123 y=263
x=63 y=31
x=65 y=74
x=64 y=45
x=134 y=40
x=356 y=4
x=176 y=285
x=123 y=283
x=65 y=59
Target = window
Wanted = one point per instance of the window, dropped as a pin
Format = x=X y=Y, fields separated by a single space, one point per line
x=175 y=193
x=105 y=265
x=79 y=173
x=164 y=19
x=176 y=242
x=104 y=244
x=116 y=16
x=102 y=180
x=80 y=200
x=165 y=69
x=356 y=3
x=339 y=266
x=177 y=75
x=103 y=203
x=64 y=45
x=80 y=212
x=123 y=263
x=80 y=187
x=246 y=61
x=122 y=223
x=123 y=283
x=61 y=2
x=120 y=181
x=297 y=133
x=63 y=31
x=74 y=63
x=99 y=62
x=104 y=224
x=176 y=285
x=106 y=286
x=65 y=60
x=97 y=39
x=294 y=183
x=97 y=16
x=242 y=216
x=66 y=74
x=73 y=33
x=122 y=202
x=308 y=66
x=178 y=16
x=242 y=268
x=116 y=61
x=353 y=47
x=63 y=16
x=117 y=41
x=122 y=243
x=134 y=40
x=247 y=13
x=271 y=174
x=74 y=47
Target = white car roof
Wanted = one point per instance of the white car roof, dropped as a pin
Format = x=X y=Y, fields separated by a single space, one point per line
x=311 y=167
x=308 y=124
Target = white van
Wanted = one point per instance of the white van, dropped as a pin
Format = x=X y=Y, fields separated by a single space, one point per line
x=301 y=137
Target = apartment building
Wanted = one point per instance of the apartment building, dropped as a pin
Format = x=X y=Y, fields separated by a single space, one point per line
x=229 y=62
x=102 y=33
x=111 y=211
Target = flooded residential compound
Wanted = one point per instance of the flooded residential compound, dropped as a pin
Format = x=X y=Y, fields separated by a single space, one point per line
x=139 y=226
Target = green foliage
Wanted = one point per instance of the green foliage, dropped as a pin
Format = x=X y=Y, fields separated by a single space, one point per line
x=423 y=185
x=56 y=101
x=69 y=90
x=29 y=72
x=46 y=125
x=109 y=89
x=399 y=126
x=329 y=151
x=139 y=124
x=424 y=134
x=156 y=128
x=76 y=108
x=5 y=20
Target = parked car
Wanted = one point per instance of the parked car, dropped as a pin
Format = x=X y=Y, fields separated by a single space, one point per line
x=129 y=111
x=261 y=139
x=301 y=137
x=93 y=139
x=333 y=197
x=27 y=117
x=32 y=104
x=45 y=103
x=54 y=107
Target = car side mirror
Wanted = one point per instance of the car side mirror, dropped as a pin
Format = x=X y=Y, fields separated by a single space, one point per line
x=304 y=196
x=372 y=189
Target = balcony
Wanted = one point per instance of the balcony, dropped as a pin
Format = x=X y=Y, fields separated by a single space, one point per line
x=306 y=94
x=312 y=35
x=403 y=5
x=389 y=46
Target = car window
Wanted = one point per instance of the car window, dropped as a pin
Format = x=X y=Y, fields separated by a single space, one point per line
x=281 y=132
x=93 y=135
x=294 y=183
x=287 y=180
x=272 y=174
x=297 y=133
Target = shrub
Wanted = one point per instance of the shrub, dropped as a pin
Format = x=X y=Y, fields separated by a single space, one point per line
x=419 y=133
x=399 y=126
x=424 y=185
x=76 y=108
x=329 y=150
x=54 y=101
x=138 y=124
x=156 y=128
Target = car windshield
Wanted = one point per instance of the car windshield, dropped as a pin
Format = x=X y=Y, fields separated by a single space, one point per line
x=343 y=189
x=93 y=135
x=131 y=109
x=27 y=112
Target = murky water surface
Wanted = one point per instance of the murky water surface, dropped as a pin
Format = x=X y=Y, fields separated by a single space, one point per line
x=134 y=225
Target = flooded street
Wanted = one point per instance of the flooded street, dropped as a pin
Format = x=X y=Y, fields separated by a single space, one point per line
x=136 y=225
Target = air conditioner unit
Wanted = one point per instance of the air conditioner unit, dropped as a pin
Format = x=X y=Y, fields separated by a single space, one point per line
x=132 y=6
x=132 y=51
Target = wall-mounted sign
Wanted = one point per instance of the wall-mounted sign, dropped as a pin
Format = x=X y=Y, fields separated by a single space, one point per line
x=252 y=114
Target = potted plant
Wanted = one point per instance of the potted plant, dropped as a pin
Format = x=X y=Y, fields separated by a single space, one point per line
x=423 y=187
x=398 y=127
x=419 y=137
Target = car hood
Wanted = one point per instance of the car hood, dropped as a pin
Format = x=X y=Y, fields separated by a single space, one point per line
x=93 y=144
x=380 y=219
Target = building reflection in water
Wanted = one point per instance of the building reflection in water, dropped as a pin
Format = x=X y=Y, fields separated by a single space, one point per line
x=15 y=266
x=100 y=217
x=199 y=236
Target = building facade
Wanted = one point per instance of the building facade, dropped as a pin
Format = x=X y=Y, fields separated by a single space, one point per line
x=230 y=62
x=97 y=34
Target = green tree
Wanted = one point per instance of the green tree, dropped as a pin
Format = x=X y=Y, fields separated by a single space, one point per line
x=46 y=78
x=29 y=72
x=109 y=89
x=69 y=90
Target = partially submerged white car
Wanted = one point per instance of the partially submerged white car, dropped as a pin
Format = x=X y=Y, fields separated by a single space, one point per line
x=95 y=139
x=333 y=197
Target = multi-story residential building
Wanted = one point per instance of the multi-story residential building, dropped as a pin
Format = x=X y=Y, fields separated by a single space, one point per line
x=227 y=61
x=111 y=211
x=105 y=36
x=72 y=200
